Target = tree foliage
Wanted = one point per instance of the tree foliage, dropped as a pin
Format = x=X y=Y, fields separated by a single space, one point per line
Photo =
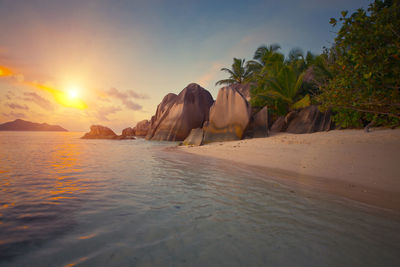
x=238 y=74
x=364 y=77
x=279 y=82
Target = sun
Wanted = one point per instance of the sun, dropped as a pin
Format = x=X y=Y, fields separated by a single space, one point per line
x=73 y=92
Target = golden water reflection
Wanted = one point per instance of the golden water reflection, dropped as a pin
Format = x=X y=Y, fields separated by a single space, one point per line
x=66 y=169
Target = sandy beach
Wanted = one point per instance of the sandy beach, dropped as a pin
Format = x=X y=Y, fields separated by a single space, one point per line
x=361 y=166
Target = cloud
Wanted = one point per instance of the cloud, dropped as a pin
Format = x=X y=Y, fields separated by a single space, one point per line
x=133 y=94
x=38 y=100
x=117 y=94
x=125 y=97
x=103 y=112
x=13 y=114
x=17 y=106
x=131 y=105
x=10 y=95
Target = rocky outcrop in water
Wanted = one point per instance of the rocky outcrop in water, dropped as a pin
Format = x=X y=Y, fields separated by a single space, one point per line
x=128 y=132
x=177 y=115
x=99 y=132
x=229 y=116
x=142 y=128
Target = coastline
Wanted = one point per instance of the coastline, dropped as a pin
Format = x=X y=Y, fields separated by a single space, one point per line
x=350 y=163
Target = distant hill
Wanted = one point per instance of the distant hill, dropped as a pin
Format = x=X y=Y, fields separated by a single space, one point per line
x=21 y=125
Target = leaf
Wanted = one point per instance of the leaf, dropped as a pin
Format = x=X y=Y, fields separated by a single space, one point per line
x=333 y=21
x=367 y=75
x=302 y=103
x=344 y=13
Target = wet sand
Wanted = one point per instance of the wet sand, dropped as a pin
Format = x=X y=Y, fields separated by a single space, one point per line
x=361 y=166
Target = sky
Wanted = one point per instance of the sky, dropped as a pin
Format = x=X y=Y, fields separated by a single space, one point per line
x=78 y=63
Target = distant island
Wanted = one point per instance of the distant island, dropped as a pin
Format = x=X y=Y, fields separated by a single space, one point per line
x=21 y=125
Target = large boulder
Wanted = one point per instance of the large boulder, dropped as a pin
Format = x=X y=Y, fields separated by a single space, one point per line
x=142 y=128
x=128 y=132
x=282 y=122
x=243 y=89
x=310 y=120
x=162 y=110
x=260 y=123
x=195 y=138
x=229 y=116
x=279 y=125
x=189 y=110
x=99 y=132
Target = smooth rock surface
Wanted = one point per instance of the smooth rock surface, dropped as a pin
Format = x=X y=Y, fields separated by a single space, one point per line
x=229 y=116
x=195 y=138
x=99 y=132
x=279 y=125
x=310 y=120
x=243 y=89
x=189 y=110
x=128 y=132
x=142 y=128
x=162 y=110
x=260 y=123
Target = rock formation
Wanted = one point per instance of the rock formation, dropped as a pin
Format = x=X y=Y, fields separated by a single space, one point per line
x=142 y=128
x=279 y=125
x=162 y=110
x=229 y=116
x=100 y=132
x=310 y=120
x=176 y=116
x=243 y=89
x=128 y=132
x=260 y=123
x=282 y=122
x=195 y=138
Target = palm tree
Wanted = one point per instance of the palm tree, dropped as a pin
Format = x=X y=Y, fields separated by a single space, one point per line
x=280 y=87
x=238 y=74
x=263 y=56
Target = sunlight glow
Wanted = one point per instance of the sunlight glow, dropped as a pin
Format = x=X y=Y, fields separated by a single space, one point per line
x=5 y=71
x=67 y=99
x=73 y=92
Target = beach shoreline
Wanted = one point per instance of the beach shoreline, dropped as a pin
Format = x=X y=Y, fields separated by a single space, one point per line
x=350 y=163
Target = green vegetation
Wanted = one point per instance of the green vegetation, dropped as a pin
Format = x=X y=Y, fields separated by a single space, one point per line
x=358 y=77
x=366 y=70
x=238 y=74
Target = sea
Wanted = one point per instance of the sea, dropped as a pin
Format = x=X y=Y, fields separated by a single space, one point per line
x=65 y=201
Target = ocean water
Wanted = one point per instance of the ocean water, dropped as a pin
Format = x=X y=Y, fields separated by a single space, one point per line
x=71 y=202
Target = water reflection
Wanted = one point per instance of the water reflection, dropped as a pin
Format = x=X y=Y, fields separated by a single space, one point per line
x=39 y=189
x=66 y=202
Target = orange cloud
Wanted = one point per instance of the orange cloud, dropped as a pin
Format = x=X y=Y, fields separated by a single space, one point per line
x=61 y=97
x=5 y=71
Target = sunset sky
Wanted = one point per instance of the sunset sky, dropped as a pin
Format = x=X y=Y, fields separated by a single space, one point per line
x=77 y=63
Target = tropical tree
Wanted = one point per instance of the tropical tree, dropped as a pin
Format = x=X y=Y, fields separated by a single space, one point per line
x=365 y=85
x=278 y=83
x=264 y=55
x=238 y=74
x=280 y=89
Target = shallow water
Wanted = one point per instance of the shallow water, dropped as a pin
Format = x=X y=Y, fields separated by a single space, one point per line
x=66 y=201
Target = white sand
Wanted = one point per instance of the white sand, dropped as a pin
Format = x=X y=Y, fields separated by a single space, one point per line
x=358 y=165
